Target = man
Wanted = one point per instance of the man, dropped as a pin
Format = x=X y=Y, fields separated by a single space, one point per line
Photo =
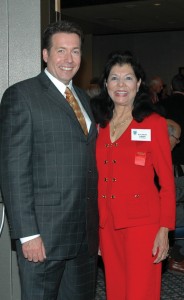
x=174 y=108
x=174 y=131
x=155 y=88
x=48 y=174
x=176 y=259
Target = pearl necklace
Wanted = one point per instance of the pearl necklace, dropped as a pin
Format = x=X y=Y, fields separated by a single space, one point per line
x=119 y=124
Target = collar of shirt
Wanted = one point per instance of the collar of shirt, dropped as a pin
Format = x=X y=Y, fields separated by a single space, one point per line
x=58 y=84
x=62 y=87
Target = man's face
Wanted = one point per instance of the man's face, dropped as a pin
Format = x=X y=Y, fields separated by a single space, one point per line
x=174 y=139
x=64 y=58
x=159 y=86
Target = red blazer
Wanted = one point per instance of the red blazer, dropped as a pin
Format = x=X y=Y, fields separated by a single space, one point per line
x=126 y=176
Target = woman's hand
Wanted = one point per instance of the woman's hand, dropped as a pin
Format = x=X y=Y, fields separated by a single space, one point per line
x=161 y=245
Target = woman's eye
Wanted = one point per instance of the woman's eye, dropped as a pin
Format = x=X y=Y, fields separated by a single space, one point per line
x=113 y=78
x=128 y=78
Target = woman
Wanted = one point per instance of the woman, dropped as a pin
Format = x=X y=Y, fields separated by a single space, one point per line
x=135 y=216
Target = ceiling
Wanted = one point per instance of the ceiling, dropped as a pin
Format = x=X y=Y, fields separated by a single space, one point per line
x=115 y=17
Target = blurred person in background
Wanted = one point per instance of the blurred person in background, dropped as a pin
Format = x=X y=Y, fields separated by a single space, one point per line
x=176 y=258
x=156 y=88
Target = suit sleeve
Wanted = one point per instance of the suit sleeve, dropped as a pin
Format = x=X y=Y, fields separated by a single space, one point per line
x=163 y=165
x=16 y=137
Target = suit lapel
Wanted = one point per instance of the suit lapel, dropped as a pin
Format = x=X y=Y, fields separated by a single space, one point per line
x=57 y=98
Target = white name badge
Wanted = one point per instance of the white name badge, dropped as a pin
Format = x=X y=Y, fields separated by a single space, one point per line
x=141 y=135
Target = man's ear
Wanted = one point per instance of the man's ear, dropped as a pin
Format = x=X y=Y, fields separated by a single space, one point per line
x=45 y=55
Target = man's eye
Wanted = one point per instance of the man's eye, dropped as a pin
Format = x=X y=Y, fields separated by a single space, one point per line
x=76 y=51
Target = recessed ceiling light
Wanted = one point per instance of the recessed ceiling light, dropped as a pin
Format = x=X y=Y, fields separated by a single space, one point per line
x=157 y=4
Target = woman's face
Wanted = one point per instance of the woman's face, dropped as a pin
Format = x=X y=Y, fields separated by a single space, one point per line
x=122 y=85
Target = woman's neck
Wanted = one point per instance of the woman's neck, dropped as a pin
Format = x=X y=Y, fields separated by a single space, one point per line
x=122 y=113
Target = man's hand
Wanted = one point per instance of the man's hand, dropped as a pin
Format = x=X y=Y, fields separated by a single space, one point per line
x=34 y=250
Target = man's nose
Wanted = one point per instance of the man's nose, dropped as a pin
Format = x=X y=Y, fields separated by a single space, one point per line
x=69 y=57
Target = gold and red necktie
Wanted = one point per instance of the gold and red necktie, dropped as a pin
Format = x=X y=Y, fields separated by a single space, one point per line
x=77 y=110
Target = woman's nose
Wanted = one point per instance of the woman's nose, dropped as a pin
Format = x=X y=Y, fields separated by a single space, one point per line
x=121 y=82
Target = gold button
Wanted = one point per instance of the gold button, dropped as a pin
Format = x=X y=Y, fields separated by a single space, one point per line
x=107 y=145
x=113 y=197
x=114 y=179
x=105 y=161
x=116 y=144
x=136 y=195
x=104 y=196
x=114 y=161
x=106 y=179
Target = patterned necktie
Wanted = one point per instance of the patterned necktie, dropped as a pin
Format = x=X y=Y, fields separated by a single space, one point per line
x=76 y=108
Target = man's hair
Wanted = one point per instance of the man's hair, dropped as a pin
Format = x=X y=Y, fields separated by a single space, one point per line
x=58 y=27
x=155 y=81
x=178 y=83
x=171 y=129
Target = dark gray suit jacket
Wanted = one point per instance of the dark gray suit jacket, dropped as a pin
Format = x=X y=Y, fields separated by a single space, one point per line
x=48 y=170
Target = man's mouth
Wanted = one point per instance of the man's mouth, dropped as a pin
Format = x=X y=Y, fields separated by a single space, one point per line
x=66 y=68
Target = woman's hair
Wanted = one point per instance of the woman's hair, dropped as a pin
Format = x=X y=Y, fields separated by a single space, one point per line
x=103 y=106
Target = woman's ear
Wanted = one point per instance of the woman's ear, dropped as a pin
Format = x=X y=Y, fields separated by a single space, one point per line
x=138 y=84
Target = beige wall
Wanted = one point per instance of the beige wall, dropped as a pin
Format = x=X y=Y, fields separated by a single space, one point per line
x=85 y=72
x=19 y=59
x=160 y=53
